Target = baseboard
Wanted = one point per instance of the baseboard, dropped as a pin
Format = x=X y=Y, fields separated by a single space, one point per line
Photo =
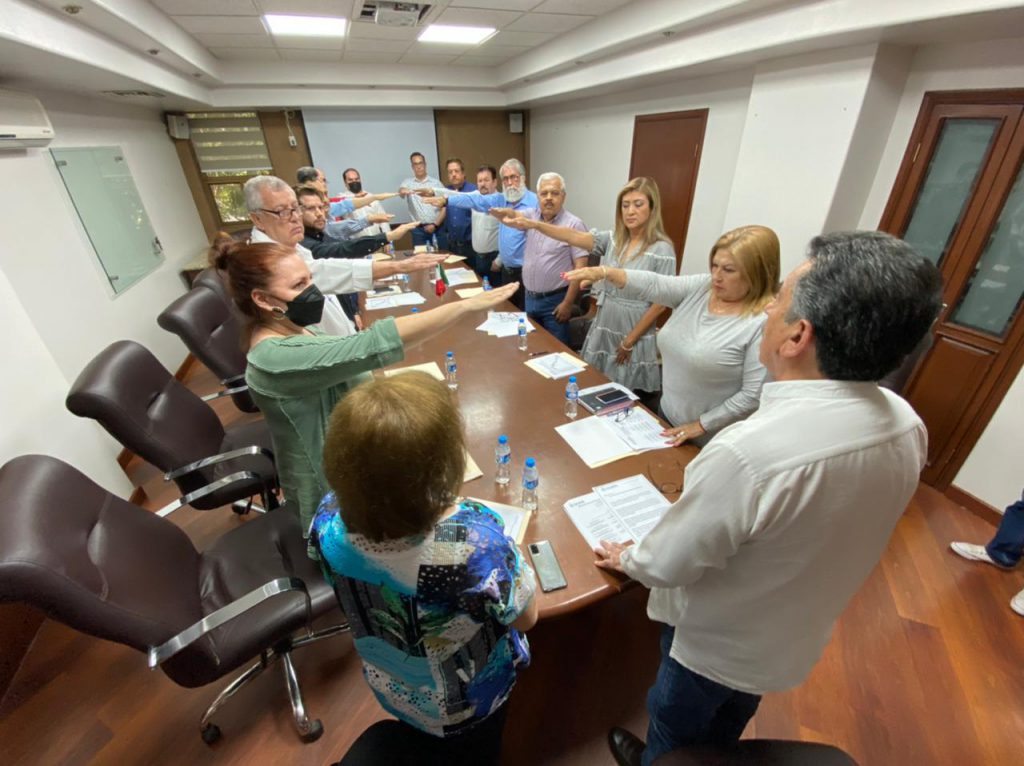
x=979 y=508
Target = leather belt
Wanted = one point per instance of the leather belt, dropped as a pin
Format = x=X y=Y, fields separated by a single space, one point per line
x=548 y=294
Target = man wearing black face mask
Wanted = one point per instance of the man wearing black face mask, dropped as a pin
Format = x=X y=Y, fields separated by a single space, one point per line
x=354 y=188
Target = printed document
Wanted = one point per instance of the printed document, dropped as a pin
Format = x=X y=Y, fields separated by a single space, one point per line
x=618 y=511
x=557 y=365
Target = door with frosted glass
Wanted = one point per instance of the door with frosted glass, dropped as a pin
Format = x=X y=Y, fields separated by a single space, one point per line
x=959 y=199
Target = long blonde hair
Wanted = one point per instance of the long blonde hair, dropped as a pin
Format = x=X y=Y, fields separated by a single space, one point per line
x=756 y=252
x=654 y=231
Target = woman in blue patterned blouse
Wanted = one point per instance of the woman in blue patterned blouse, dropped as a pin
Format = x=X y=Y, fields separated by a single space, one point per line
x=436 y=594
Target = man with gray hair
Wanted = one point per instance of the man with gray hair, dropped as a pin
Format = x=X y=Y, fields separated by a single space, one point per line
x=276 y=217
x=511 y=242
x=785 y=514
x=549 y=300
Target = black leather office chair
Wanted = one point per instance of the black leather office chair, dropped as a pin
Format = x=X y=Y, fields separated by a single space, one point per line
x=763 y=752
x=213 y=333
x=143 y=406
x=105 y=567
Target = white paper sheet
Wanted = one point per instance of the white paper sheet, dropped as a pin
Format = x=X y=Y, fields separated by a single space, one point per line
x=640 y=430
x=393 y=301
x=637 y=503
x=516 y=518
x=556 y=365
x=593 y=441
x=595 y=520
x=504 y=324
x=469 y=292
x=461 y=277
x=431 y=368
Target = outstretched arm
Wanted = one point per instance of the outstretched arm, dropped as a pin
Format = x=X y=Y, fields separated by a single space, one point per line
x=514 y=218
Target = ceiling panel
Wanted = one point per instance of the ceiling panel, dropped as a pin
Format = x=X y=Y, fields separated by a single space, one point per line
x=370 y=31
x=383 y=46
x=520 y=39
x=235 y=41
x=426 y=59
x=501 y=5
x=371 y=57
x=580 y=7
x=292 y=54
x=341 y=8
x=206 y=7
x=222 y=24
x=310 y=43
x=546 y=22
x=472 y=17
x=246 y=54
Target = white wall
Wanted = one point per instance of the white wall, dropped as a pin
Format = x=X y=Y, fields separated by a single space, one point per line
x=68 y=312
x=992 y=472
x=589 y=143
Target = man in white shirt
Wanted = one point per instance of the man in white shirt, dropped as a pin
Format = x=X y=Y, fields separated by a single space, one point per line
x=276 y=217
x=374 y=211
x=485 y=229
x=785 y=514
x=430 y=216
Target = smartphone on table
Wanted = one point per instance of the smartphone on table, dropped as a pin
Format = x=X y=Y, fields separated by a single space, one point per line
x=549 y=571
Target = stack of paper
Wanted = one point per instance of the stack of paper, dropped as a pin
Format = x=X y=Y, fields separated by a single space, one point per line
x=504 y=324
x=430 y=368
x=469 y=292
x=392 y=301
x=601 y=440
x=454 y=258
x=557 y=365
x=461 y=277
x=382 y=255
x=618 y=511
x=516 y=519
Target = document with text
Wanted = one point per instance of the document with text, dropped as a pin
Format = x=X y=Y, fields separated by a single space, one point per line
x=619 y=511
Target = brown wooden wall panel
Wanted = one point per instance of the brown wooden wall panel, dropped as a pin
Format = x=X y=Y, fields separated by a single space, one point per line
x=479 y=137
x=285 y=158
x=963 y=369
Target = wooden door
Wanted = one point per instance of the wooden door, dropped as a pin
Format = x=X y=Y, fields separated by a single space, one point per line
x=959 y=199
x=666 y=147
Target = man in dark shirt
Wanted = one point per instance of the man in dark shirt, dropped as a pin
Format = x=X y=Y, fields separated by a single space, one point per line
x=458 y=223
x=314 y=209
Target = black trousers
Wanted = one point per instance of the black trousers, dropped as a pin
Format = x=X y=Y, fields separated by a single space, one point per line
x=515 y=275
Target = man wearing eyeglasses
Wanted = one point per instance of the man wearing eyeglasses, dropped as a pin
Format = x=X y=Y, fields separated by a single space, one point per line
x=430 y=216
x=511 y=242
x=276 y=217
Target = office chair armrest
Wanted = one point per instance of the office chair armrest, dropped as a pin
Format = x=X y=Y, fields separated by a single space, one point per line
x=214 y=459
x=160 y=654
x=213 y=487
x=224 y=392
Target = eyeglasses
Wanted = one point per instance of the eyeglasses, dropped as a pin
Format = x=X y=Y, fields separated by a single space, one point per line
x=284 y=215
x=621 y=415
x=506 y=179
x=312 y=208
x=667 y=487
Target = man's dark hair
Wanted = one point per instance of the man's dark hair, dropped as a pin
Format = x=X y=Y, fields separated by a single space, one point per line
x=457 y=161
x=417 y=154
x=870 y=298
x=490 y=169
x=305 y=175
x=349 y=170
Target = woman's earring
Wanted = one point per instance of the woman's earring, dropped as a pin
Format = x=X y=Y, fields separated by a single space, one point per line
x=277 y=311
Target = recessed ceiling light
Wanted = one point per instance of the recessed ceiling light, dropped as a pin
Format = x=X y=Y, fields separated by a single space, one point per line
x=445 y=33
x=306 y=26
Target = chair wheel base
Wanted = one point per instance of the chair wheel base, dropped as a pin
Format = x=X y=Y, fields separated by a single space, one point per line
x=316 y=730
x=211 y=733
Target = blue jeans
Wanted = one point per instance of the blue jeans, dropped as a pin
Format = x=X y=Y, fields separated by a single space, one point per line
x=542 y=310
x=688 y=709
x=1007 y=547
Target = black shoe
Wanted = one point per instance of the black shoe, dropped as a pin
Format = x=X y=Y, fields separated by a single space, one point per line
x=626 y=748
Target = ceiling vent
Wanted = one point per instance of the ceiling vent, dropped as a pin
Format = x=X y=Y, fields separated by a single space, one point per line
x=393 y=14
x=134 y=93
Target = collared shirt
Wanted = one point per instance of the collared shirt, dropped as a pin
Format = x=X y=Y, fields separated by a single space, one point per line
x=332 y=275
x=347 y=228
x=459 y=220
x=362 y=212
x=545 y=259
x=485 y=232
x=418 y=209
x=782 y=517
x=511 y=242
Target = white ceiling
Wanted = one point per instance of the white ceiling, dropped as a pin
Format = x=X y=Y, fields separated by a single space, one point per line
x=217 y=53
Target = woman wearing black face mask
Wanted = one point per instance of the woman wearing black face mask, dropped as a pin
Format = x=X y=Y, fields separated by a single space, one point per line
x=296 y=374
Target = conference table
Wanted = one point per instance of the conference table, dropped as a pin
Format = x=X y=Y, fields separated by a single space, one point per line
x=498 y=394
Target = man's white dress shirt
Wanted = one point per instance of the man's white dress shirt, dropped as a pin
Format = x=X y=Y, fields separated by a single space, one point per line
x=782 y=517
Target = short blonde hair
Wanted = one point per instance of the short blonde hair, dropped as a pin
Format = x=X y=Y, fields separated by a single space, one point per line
x=395 y=455
x=756 y=252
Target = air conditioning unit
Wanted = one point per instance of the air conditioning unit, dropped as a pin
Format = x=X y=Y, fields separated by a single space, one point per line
x=394 y=14
x=23 y=121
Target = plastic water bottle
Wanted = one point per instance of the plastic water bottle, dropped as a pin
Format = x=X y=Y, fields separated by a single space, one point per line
x=530 y=481
x=487 y=283
x=522 y=335
x=451 y=371
x=433 y=242
x=503 y=461
x=415 y=310
x=572 y=398
x=430 y=245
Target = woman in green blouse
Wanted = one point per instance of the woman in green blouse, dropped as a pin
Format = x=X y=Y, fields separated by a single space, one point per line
x=296 y=374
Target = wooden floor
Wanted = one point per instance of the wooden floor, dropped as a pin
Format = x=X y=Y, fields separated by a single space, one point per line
x=926 y=666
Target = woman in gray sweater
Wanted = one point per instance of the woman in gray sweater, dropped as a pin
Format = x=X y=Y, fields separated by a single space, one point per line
x=709 y=347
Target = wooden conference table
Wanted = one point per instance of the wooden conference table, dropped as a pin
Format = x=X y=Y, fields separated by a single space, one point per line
x=498 y=394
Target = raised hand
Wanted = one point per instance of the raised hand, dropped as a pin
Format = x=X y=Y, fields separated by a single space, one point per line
x=503 y=213
x=420 y=261
x=680 y=434
x=399 y=231
x=379 y=217
x=436 y=201
x=491 y=298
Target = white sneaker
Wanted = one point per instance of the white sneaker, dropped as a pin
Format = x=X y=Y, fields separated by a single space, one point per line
x=1017 y=603
x=973 y=552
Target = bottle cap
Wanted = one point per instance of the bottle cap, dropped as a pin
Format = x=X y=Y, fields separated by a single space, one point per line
x=503 y=439
x=572 y=378
x=415 y=310
x=522 y=321
x=451 y=354
x=530 y=462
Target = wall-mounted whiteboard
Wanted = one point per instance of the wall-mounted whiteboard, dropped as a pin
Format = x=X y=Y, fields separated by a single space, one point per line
x=377 y=142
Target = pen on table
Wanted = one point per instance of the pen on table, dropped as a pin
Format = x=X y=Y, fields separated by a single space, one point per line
x=537 y=353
